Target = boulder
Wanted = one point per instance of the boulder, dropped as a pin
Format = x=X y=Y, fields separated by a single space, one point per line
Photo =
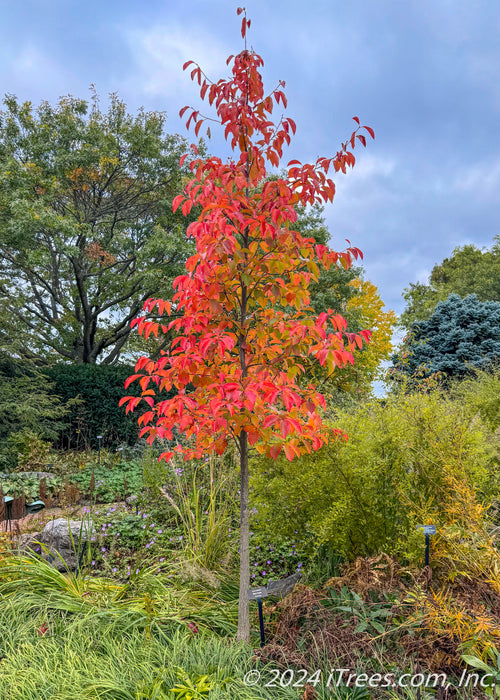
x=66 y=539
x=27 y=543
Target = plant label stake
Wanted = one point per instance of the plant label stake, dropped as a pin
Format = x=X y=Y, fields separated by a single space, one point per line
x=428 y=530
x=257 y=594
x=8 y=512
x=99 y=437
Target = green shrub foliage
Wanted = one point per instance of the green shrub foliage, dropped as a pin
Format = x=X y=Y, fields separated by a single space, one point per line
x=482 y=393
x=368 y=494
x=99 y=389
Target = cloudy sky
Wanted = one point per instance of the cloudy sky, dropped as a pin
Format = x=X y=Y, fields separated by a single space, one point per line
x=424 y=74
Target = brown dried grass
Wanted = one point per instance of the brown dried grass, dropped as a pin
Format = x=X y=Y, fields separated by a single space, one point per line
x=307 y=634
x=380 y=573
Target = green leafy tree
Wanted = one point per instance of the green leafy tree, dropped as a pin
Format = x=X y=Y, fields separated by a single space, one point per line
x=86 y=224
x=460 y=336
x=467 y=271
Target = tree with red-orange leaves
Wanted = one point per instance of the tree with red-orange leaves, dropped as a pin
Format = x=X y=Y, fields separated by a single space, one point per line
x=241 y=312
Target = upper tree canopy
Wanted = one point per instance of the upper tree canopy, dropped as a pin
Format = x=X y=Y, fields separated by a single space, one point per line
x=467 y=271
x=86 y=224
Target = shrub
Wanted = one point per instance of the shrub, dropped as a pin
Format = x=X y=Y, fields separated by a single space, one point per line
x=28 y=450
x=369 y=493
x=28 y=402
x=99 y=388
x=482 y=394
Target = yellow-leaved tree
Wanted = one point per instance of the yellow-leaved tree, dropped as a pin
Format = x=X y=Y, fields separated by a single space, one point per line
x=370 y=311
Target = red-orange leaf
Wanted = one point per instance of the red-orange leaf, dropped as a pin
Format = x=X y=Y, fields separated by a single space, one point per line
x=131 y=379
x=253 y=437
x=177 y=200
x=274 y=450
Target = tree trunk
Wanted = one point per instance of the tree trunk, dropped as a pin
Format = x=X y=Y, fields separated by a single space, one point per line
x=243 y=633
x=243 y=606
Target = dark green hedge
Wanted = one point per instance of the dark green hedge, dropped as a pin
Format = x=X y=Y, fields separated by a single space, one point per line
x=99 y=388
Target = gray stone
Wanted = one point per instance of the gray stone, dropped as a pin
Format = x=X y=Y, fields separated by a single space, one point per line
x=27 y=543
x=65 y=539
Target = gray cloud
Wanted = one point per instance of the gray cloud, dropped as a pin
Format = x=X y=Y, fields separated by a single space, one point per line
x=423 y=74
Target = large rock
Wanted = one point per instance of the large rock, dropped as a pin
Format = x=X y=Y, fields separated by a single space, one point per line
x=27 y=543
x=63 y=538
